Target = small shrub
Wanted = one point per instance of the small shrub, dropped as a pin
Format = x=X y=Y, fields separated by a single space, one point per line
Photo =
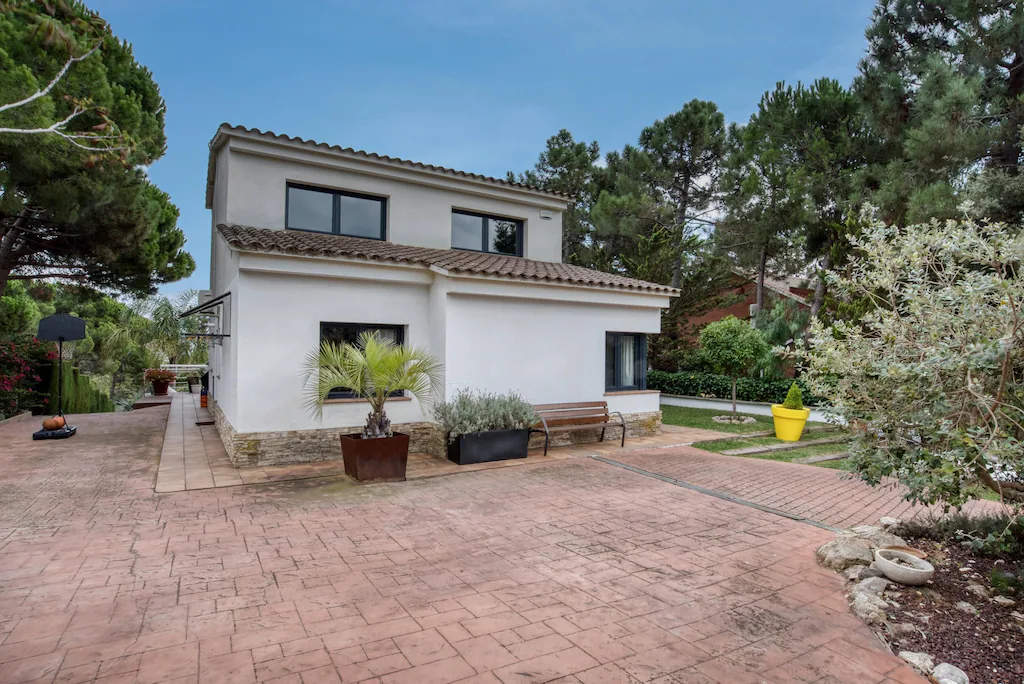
x=794 y=398
x=986 y=535
x=468 y=412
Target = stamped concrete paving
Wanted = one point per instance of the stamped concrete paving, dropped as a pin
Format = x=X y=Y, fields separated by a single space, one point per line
x=828 y=496
x=573 y=571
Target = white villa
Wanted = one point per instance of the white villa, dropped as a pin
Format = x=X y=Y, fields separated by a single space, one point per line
x=314 y=242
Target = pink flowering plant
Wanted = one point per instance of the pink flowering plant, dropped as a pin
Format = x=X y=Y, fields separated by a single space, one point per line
x=21 y=360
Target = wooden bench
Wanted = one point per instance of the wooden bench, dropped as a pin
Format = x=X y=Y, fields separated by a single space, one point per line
x=576 y=416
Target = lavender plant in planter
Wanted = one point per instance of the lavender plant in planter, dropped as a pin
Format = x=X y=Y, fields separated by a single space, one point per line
x=374 y=369
x=485 y=427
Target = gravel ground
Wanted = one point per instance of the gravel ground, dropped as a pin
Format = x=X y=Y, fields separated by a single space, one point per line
x=988 y=646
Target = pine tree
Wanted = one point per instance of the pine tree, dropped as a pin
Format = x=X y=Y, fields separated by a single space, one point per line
x=80 y=119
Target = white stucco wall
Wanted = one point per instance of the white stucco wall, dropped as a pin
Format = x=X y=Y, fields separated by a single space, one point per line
x=548 y=351
x=279 y=322
x=546 y=342
x=418 y=213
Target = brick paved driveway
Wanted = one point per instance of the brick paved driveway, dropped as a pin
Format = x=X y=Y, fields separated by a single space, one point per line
x=573 y=572
x=824 y=495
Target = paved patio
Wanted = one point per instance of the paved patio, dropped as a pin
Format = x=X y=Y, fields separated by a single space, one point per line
x=571 y=571
x=193 y=456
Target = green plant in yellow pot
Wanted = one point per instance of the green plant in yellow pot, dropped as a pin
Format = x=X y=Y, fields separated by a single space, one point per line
x=790 y=416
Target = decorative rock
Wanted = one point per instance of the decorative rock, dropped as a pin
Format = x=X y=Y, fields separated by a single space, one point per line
x=944 y=672
x=872 y=585
x=843 y=552
x=1017 y=616
x=869 y=607
x=875 y=536
x=729 y=420
x=852 y=573
x=965 y=607
x=1004 y=601
x=902 y=628
x=922 y=662
x=888 y=522
x=979 y=591
x=864 y=573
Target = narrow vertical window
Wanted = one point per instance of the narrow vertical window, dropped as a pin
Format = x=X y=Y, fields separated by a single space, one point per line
x=625 y=362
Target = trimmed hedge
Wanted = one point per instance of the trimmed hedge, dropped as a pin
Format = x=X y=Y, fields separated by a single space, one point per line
x=79 y=394
x=720 y=386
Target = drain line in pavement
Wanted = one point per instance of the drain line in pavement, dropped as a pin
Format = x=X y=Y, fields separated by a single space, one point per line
x=716 y=494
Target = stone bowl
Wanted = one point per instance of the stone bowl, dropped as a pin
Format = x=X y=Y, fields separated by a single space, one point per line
x=920 y=573
x=908 y=549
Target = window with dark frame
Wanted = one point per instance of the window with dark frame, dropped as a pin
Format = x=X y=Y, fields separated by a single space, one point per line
x=625 y=361
x=333 y=211
x=348 y=333
x=485 y=233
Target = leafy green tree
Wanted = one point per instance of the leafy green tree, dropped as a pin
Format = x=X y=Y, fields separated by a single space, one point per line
x=732 y=347
x=933 y=370
x=80 y=119
x=568 y=166
x=943 y=82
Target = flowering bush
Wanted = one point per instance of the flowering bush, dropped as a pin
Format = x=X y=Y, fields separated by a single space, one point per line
x=21 y=359
x=160 y=375
x=935 y=367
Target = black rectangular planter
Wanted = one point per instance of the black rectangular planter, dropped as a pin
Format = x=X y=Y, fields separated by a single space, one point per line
x=484 y=447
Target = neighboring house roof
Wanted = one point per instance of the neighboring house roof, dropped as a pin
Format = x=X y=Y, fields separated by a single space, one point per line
x=227 y=129
x=779 y=287
x=250 y=239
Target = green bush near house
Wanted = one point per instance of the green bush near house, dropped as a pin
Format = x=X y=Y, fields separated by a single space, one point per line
x=79 y=394
x=720 y=387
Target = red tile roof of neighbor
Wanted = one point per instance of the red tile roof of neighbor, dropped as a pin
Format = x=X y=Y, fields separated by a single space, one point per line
x=228 y=129
x=246 y=238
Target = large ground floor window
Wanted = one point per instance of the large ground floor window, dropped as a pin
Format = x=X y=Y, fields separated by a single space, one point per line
x=348 y=333
x=625 y=361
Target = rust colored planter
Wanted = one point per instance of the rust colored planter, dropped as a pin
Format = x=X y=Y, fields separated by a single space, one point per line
x=160 y=387
x=375 y=460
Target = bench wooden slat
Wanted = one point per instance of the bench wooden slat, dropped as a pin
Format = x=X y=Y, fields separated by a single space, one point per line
x=569 y=428
x=572 y=405
x=578 y=413
x=590 y=420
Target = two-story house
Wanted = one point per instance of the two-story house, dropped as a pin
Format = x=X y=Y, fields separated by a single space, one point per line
x=313 y=242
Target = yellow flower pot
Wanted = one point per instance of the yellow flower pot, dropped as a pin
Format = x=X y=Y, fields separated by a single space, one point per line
x=789 y=423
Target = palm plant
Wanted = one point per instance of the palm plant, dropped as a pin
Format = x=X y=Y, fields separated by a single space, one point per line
x=373 y=369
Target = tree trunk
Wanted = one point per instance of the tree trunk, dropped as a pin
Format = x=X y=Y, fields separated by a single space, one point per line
x=1008 y=154
x=734 y=398
x=820 y=288
x=684 y=205
x=7 y=241
x=762 y=266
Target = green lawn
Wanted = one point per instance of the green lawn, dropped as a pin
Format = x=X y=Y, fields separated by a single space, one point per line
x=701 y=418
x=720 y=445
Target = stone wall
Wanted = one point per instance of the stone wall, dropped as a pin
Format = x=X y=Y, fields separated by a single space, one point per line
x=252 y=449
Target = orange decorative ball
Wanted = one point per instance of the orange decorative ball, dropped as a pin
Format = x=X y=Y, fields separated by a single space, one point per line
x=50 y=424
x=59 y=420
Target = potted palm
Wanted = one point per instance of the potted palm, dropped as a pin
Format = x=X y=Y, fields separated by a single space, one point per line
x=790 y=416
x=479 y=428
x=374 y=369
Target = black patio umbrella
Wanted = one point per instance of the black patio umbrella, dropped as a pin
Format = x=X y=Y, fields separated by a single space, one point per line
x=60 y=328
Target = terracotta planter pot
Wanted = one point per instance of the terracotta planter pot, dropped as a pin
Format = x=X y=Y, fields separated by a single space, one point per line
x=160 y=387
x=375 y=460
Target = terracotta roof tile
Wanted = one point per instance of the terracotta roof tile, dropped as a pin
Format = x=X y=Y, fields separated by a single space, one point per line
x=246 y=238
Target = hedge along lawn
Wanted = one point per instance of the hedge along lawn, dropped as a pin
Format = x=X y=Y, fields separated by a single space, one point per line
x=685 y=416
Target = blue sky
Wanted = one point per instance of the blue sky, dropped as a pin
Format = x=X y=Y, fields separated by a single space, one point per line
x=477 y=85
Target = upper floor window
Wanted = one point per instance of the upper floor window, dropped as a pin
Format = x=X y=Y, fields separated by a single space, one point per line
x=333 y=211
x=483 y=233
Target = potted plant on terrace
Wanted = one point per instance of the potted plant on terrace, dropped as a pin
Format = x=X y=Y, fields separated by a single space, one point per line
x=161 y=379
x=194 y=383
x=485 y=427
x=790 y=416
x=374 y=369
